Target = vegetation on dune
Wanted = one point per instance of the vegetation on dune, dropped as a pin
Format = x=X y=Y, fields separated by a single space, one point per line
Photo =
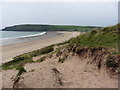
x=21 y=70
x=111 y=63
x=30 y=27
x=18 y=60
x=26 y=58
x=99 y=41
x=44 y=50
x=105 y=37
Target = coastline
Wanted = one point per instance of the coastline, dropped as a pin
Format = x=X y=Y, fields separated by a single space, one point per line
x=21 y=39
x=26 y=36
x=11 y=50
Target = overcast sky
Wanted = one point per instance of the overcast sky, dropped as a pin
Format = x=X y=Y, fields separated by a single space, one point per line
x=76 y=13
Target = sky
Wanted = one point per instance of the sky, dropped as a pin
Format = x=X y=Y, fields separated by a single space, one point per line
x=67 y=13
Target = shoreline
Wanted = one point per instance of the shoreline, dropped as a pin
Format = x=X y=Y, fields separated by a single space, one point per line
x=27 y=36
x=12 y=50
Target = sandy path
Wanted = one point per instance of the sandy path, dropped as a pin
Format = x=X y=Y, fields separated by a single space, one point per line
x=10 y=51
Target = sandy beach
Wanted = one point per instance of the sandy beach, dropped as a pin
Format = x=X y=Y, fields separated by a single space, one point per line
x=10 y=51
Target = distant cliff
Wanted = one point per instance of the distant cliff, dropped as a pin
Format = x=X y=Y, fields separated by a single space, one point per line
x=33 y=27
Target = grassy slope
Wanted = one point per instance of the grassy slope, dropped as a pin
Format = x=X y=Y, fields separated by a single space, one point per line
x=29 y=27
x=104 y=37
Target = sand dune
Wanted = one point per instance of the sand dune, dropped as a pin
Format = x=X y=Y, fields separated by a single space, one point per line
x=73 y=73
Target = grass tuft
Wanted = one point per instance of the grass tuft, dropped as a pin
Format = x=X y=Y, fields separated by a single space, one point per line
x=21 y=69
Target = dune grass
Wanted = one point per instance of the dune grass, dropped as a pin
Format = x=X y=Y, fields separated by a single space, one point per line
x=26 y=58
x=106 y=37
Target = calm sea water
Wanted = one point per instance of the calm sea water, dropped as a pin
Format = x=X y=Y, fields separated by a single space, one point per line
x=17 y=34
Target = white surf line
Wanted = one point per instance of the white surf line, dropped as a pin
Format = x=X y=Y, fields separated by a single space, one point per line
x=33 y=35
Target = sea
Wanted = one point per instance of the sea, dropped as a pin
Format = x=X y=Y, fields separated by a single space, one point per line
x=19 y=34
x=9 y=37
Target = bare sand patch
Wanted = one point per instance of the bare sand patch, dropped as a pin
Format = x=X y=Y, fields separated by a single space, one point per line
x=73 y=73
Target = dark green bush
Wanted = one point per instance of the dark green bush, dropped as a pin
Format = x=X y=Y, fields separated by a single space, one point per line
x=111 y=63
x=21 y=69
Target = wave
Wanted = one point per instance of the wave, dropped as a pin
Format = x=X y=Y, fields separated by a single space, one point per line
x=33 y=35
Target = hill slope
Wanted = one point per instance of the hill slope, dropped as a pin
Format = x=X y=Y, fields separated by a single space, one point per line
x=30 y=27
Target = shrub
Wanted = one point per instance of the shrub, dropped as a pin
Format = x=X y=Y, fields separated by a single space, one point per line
x=111 y=63
x=21 y=70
